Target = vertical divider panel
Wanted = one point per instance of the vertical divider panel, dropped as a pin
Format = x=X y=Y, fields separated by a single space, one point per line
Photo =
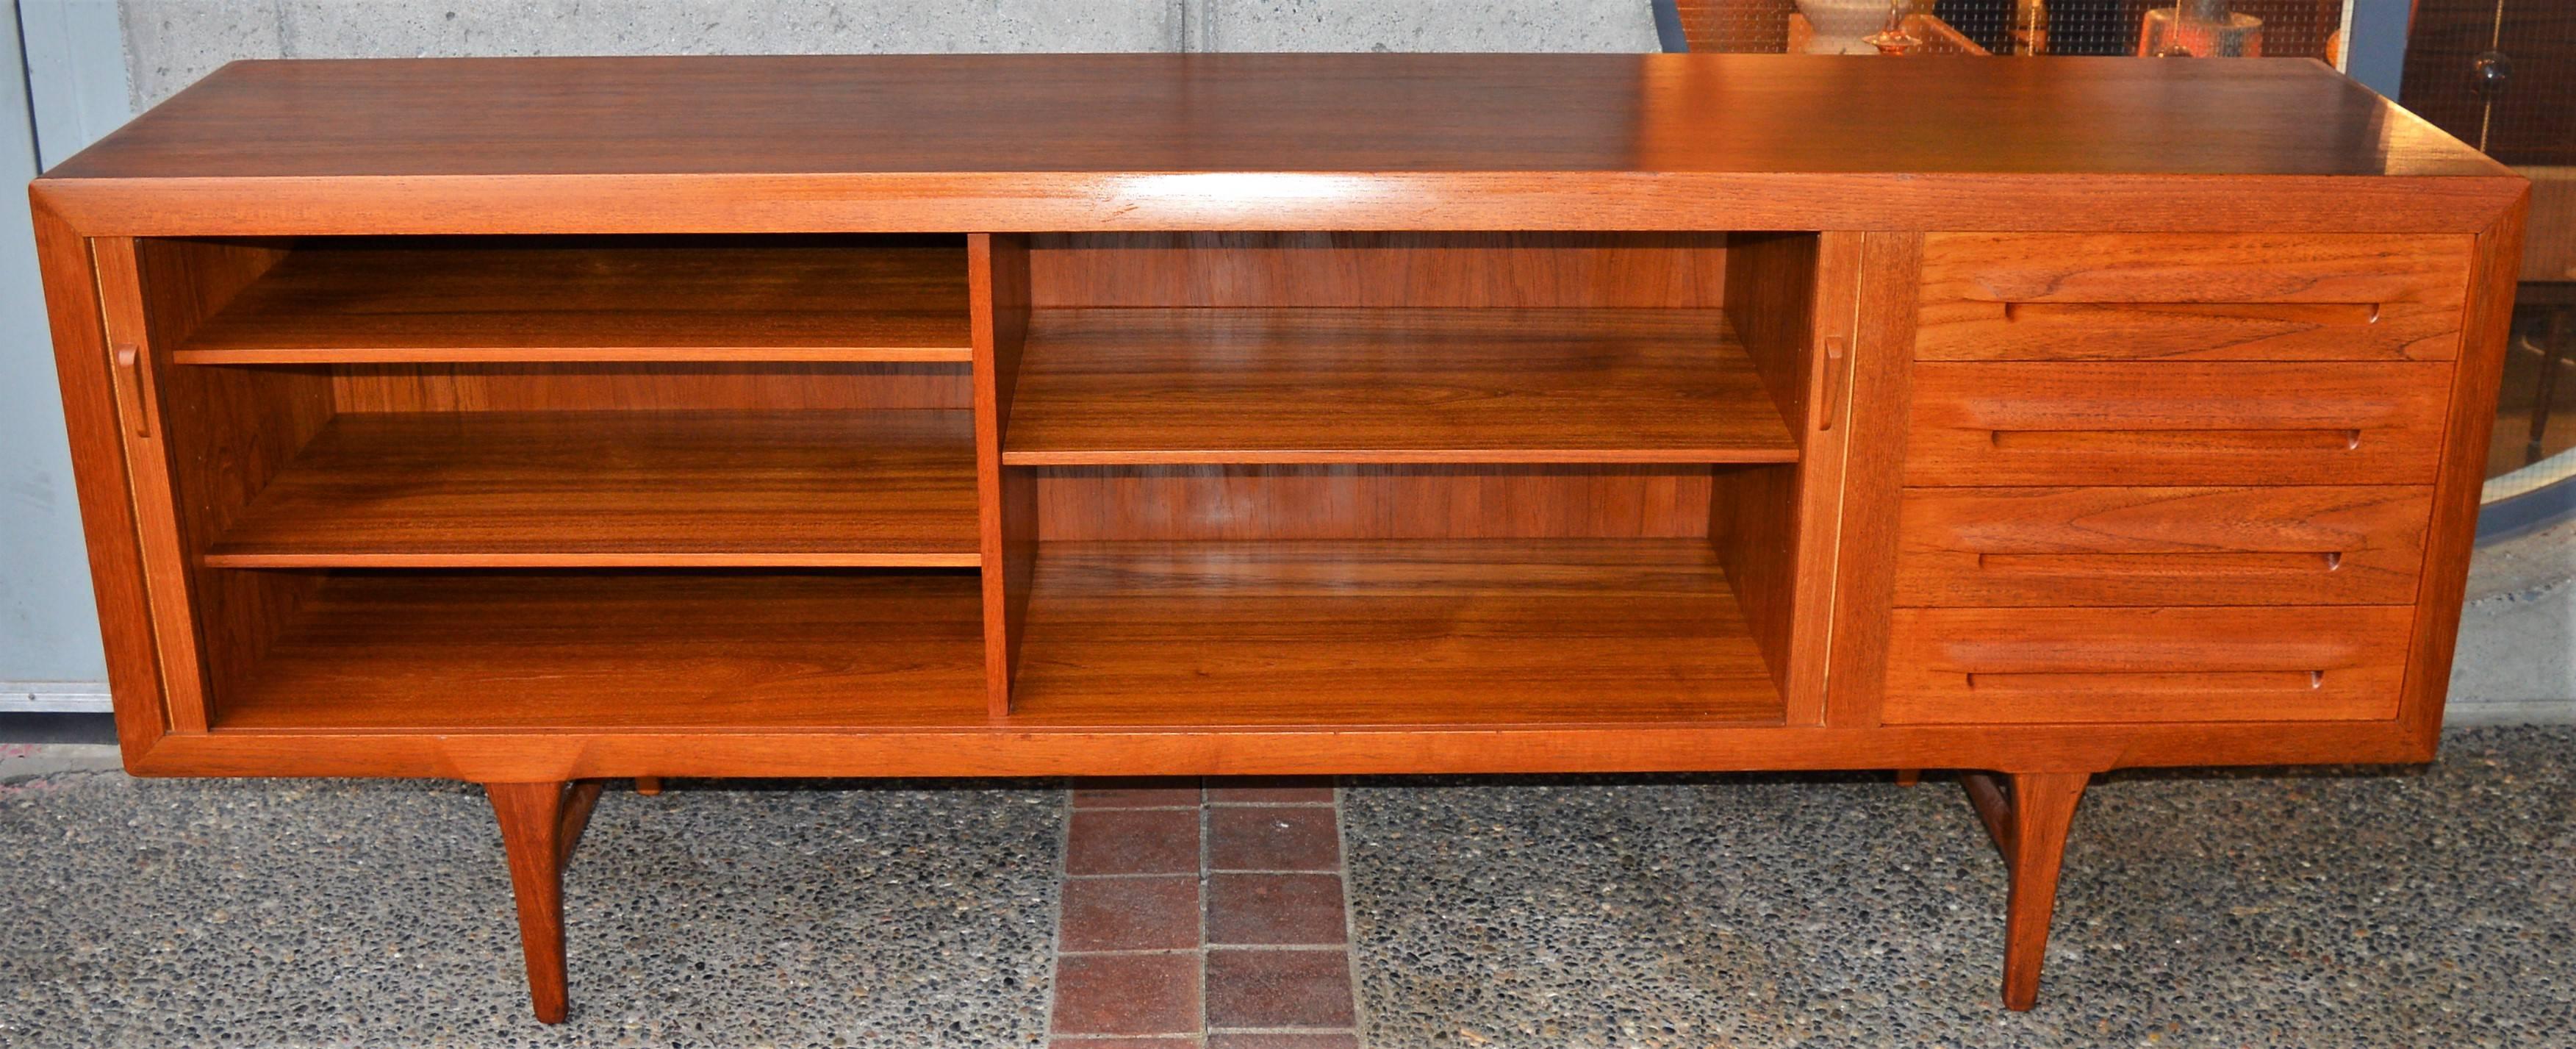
x=1006 y=500
x=1790 y=297
x=83 y=359
x=1882 y=365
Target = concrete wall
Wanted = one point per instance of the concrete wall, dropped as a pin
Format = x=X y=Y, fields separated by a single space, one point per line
x=48 y=626
x=170 y=43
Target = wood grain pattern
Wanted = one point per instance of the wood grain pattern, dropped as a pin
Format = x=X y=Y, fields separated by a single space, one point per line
x=618 y=488
x=1790 y=296
x=2299 y=545
x=2193 y=267
x=1377 y=269
x=1312 y=385
x=482 y=651
x=2486 y=330
x=437 y=299
x=1007 y=521
x=1246 y=141
x=659 y=386
x=2043 y=808
x=1372 y=501
x=2176 y=423
x=1882 y=368
x=532 y=836
x=2020 y=666
x=207 y=442
x=988 y=748
x=1386 y=634
x=2179 y=296
x=101 y=483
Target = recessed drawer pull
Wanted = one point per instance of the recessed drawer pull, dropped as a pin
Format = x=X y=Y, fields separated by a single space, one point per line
x=2148 y=681
x=2168 y=562
x=2306 y=313
x=2177 y=440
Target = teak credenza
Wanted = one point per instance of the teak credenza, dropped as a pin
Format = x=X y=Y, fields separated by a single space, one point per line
x=534 y=421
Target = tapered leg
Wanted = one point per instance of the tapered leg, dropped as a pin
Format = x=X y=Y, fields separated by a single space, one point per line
x=533 y=834
x=1908 y=777
x=2043 y=804
x=649 y=786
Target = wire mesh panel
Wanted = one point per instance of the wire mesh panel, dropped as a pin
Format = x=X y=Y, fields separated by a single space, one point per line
x=2197 y=28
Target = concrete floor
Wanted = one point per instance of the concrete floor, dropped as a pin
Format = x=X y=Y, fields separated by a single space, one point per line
x=2334 y=907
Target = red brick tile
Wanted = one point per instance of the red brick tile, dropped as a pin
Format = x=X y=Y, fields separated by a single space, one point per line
x=1126 y=994
x=1121 y=841
x=1161 y=1042
x=1271 y=790
x=1273 y=839
x=1278 y=1040
x=1132 y=914
x=1135 y=792
x=1264 y=988
x=1274 y=909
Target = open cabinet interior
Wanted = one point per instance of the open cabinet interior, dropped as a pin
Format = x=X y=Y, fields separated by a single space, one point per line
x=702 y=483
x=571 y=483
x=1401 y=479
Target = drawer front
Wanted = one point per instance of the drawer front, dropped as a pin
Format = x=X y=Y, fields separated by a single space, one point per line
x=2244 y=297
x=2176 y=423
x=2097 y=665
x=2298 y=545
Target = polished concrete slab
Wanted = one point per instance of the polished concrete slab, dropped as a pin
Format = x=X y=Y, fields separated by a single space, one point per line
x=175 y=913
x=2339 y=907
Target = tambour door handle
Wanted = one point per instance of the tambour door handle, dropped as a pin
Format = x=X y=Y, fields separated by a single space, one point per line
x=1837 y=377
x=132 y=394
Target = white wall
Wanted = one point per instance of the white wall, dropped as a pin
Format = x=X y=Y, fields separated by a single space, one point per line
x=48 y=626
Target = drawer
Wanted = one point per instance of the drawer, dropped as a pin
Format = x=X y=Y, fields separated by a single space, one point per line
x=2095 y=665
x=2180 y=422
x=2246 y=297
x=2296 y=545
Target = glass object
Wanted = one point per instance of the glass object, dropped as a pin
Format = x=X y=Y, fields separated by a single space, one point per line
x=2200 y=29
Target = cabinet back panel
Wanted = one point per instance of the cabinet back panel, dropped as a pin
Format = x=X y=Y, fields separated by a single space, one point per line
x=1371 y=502
x=1508 y=270
x=631 y=386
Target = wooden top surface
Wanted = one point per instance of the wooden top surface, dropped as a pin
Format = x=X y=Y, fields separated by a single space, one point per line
x=934 y=131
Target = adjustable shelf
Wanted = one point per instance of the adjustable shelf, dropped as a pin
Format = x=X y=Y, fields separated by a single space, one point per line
x=459 y=652
x=619 y=488
x=451 y=299
x=1306 y=385
x=1387 y=633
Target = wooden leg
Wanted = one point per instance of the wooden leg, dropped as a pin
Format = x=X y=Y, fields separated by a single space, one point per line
x=2030 y=827
x=1908 y=777
x=649 y=786
x=539 y=824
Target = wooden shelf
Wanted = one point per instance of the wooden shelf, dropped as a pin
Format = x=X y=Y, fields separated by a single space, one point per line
x=1387 y=633
x=449 y=652
x=607 y=488
x=1139 y=386
x=382 y=301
